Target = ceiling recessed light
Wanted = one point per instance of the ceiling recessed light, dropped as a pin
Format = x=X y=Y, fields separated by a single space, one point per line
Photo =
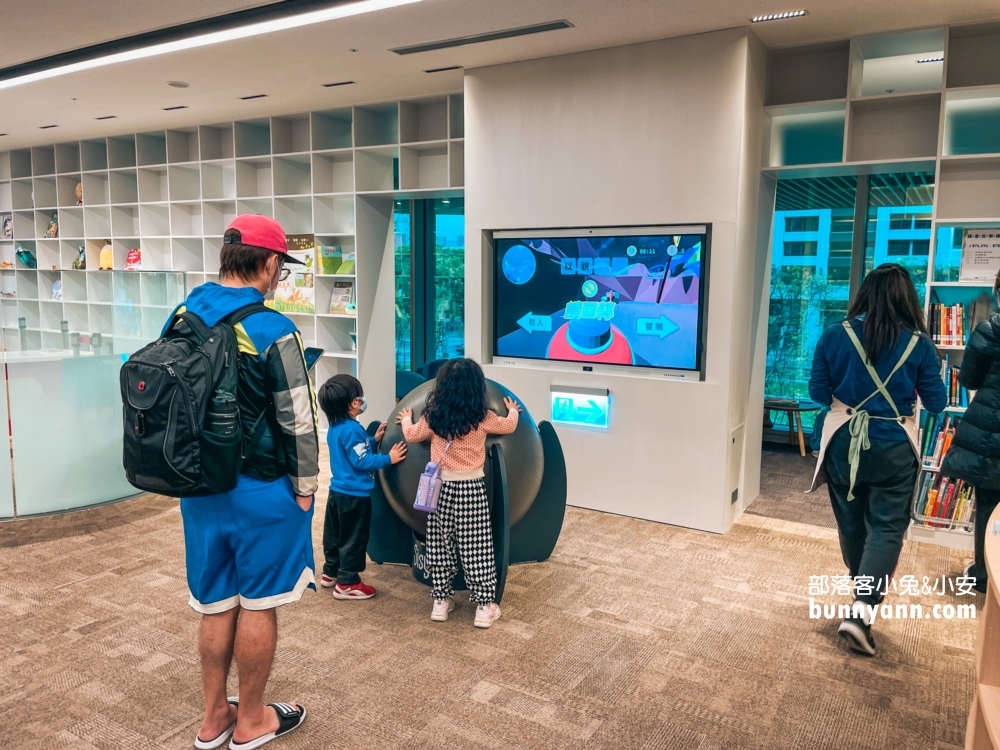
x=337 y=83
x=442 y=70
x=178 y=106
x=938 y=58
x=106 y=117
x=253 y=96
x=47 y=127
x=178 y=84
x=227 y=27
x=778 y=16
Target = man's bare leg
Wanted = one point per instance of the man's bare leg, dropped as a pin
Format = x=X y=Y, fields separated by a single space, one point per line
x=256 y=641
x=216 y=636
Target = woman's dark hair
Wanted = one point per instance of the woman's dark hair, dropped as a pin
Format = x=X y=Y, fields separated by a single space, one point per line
x=996 y=286
x=890 y=305
x=246 y=262
x=458 y=402
x=336 y=395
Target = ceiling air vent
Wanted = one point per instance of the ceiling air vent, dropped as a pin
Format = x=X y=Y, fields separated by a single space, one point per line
x=443 y=70
x=253 y=96
x=490 y=36
x=337 y=83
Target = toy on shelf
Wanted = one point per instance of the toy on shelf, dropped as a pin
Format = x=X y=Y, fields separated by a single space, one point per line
x=133 y=260
x=53 y=231
x=107 y=261
x=80 y=262
x=6 y=227
x=26 y=257
x=57 y=292
x=79 y=193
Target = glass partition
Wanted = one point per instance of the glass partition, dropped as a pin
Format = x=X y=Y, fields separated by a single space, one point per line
x=898 y=226
x=810 y=276
x=65 y=427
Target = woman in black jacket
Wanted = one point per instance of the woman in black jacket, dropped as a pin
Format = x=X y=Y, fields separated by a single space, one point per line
x=975 y=451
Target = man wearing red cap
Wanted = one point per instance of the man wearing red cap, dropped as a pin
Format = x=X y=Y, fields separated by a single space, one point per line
x=250 y=550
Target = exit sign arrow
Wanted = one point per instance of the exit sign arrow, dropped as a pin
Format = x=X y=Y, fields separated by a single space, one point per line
x=532 y=323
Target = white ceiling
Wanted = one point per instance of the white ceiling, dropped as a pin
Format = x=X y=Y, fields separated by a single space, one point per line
x=290 y=66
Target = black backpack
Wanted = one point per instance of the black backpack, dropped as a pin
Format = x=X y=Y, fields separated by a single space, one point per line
x=183 y=432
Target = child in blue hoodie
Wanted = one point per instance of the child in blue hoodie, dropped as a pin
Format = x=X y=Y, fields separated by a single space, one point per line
x=354 y=459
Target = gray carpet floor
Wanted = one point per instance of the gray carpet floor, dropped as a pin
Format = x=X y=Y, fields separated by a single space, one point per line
x=633 y=635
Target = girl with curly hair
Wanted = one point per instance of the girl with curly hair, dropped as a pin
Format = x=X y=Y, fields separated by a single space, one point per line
x=457 y=420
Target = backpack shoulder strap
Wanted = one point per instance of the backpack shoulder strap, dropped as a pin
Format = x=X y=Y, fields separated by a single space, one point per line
x=244 y=312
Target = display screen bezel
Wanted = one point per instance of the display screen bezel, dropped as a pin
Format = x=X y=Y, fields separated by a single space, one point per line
x=705 y=230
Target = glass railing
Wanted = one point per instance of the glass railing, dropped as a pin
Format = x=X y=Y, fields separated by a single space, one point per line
x=63 y=403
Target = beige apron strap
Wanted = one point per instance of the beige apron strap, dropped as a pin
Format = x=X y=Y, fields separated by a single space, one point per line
x=860 y=419
x=880 y=385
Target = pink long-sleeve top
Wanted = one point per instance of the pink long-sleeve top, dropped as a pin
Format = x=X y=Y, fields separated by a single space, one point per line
x=467 y=454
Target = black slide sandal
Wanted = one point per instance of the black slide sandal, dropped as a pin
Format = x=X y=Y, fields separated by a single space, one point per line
x=219 y=741
x=289 y=718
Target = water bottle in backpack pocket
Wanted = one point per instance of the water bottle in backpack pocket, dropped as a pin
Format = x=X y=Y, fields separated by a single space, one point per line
x=221 y=439
x=429 y=488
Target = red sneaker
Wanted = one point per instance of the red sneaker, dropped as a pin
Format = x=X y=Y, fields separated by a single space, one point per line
x=327 y=582
x=354 y=591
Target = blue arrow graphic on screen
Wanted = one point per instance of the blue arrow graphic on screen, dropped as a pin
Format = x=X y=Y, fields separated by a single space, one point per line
x=662 y=326
x=532 y=323
x=591 y=412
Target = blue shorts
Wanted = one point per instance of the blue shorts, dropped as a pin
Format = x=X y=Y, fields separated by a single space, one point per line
x=250 y=547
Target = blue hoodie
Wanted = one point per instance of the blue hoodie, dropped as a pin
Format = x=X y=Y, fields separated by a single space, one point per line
x=354 y=458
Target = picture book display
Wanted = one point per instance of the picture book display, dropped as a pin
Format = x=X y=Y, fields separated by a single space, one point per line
x=619 y=299
x=297 y=293
x=336 y=260
x=342 y=298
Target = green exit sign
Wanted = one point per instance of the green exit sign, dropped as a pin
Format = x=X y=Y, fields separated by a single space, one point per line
x=580 y=407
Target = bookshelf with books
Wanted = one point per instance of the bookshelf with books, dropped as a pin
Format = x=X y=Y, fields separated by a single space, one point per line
x=160 y=201
x=940 y=502
x=943 y=507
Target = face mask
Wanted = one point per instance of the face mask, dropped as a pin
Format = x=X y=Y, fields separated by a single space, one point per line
x=273 y=285
x=364 y=404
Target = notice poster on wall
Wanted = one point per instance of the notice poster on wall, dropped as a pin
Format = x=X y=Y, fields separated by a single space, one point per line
x=980 y=254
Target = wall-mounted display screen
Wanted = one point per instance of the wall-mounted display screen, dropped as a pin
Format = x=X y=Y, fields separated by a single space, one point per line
x=632 y=297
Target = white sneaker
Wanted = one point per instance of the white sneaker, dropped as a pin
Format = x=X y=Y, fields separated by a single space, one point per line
x=487 y=614
x=441 y=609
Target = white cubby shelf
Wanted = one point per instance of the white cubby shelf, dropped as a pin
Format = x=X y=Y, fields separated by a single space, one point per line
x=332 y=173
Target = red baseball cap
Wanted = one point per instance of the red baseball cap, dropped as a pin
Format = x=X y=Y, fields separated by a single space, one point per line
x=259 y=231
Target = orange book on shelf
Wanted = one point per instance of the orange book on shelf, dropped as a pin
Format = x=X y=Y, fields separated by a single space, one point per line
x=947 y=443
x=932 y=495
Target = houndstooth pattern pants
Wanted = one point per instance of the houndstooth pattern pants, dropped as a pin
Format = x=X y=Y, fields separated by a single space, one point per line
x=463 y=520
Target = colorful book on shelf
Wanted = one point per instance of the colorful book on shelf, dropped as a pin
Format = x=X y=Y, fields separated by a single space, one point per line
x=297 y=293
x=6 y=226
x=347 y=262
x=936 y=436
x=947 y=324
x=943 y=502
x=334 y=260
x=958 y=395
x=342 y=298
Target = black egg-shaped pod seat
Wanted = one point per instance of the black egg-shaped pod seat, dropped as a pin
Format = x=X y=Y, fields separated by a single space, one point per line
x=525 y=483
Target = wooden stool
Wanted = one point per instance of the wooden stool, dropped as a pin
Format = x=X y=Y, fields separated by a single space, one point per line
x=794 y=410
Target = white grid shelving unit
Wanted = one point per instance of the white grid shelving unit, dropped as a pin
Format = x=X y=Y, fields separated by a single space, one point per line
x=331 y=173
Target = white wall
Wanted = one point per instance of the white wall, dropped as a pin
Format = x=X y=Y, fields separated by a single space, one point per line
x=666 y=132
